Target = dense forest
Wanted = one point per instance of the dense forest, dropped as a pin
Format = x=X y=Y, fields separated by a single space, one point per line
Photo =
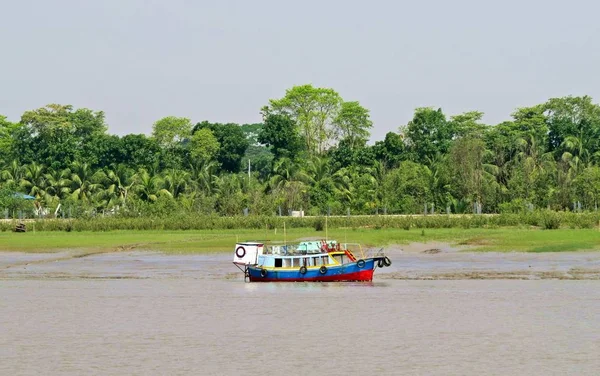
x=310 y=153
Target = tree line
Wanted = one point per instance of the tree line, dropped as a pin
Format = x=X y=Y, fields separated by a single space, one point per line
x=310 y=153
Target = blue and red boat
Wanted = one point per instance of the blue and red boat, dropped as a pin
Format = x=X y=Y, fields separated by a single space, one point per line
x=311 y=261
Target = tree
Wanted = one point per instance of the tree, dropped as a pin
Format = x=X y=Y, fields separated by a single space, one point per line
x=575 y=117
x=471 y=173
x=83 y=182
x=171 y=130
x=34 y=181
x=407 y=187
x=59 y=184
x=313 y=109
x=352 y=124
x=468 y=124
x=288 y=183
x=54 y=135
x=252 y=131
x=231 y=199
x=428 y=133
x=233 y=143
x=12 y=174
x=139 y=151
x=149 y=187
x=204 y=145
x=118 y=182
x=281 y=136
x=102 y=150
x=391 y=150
x=260 y=159
x=7 y=129
x=176 y=182
x=588 y=187
x=12 y=202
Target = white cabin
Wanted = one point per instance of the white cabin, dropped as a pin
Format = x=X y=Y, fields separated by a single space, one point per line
x=247 y=253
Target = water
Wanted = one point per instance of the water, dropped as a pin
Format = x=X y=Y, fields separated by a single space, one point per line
x=140 y=314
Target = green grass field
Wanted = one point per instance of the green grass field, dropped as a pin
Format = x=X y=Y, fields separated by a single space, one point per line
x=204 y=241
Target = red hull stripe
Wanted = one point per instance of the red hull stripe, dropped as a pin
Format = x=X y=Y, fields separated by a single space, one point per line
x=363 y=276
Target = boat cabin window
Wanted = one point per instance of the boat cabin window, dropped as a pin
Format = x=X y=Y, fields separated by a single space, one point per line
x=325 y=260
x=316 y=261
x=278 y=263
x=339 y=258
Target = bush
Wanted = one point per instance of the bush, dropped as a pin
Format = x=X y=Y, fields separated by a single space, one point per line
x=319 y=224
x=551 y=220
x=190 y=221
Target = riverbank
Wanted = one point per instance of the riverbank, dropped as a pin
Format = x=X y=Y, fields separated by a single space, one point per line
x=215 y=241
x=414 y=261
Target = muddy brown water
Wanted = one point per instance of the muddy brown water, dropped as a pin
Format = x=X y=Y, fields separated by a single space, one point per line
x=140 y=313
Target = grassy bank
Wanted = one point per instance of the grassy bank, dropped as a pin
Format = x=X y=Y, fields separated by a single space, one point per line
x=204 y=241
x=540 y=219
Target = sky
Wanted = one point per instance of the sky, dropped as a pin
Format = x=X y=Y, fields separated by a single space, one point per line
x=221 y=61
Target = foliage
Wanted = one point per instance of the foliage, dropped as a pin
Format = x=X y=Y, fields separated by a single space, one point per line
x=232 y=141
x=204 y=145
x=352 y=124
x=171 y=130
x=280 y=135
x=313 y=109
x=428 y=134
x=311 y=154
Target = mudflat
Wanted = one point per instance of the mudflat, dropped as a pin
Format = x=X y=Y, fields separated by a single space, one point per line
x=427 y=261
x=134 y=312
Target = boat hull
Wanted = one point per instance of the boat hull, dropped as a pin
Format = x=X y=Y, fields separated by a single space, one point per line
x=335 y=273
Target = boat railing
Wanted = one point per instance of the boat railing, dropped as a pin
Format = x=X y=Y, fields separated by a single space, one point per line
x=286 y=249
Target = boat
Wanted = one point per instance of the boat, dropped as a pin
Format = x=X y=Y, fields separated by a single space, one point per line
x=308 y=261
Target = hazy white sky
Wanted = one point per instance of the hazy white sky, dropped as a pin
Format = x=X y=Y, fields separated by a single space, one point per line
x=222 y=60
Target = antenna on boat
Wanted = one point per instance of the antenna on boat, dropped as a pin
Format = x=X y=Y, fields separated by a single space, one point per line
x=325 y=228
x=346 y=228
x=284 y=235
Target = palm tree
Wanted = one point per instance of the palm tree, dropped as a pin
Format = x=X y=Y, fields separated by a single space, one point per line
x=577 y=156
x=13 y=173
x=83 y=182
x=438 y=184
x=58 y=184
x=204 y=176
x=534 y=160
x=149 y=187
x=34 y=180
x=117 y=184
x=288 y=181
x=176 y=182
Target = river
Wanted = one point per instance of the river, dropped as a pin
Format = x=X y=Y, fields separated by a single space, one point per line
x=148 y=314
